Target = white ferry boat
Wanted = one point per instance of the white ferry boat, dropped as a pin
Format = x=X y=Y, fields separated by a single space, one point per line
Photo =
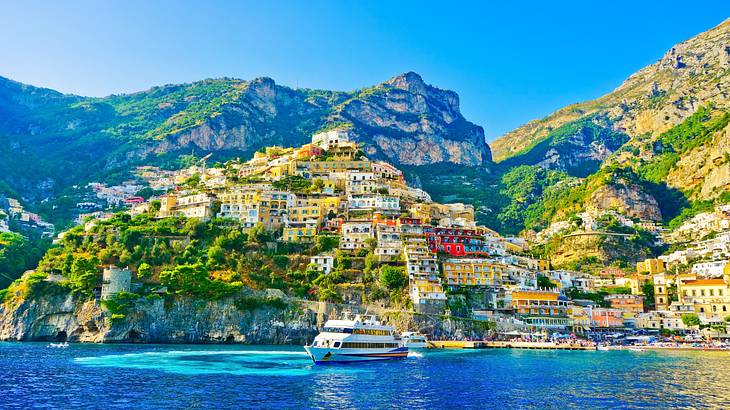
x=414 y=340
x=356 y=338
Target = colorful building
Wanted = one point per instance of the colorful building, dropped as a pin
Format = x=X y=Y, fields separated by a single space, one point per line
x=473 y=272
x=542 y=309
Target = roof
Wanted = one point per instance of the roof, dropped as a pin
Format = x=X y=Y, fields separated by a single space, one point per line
x=704 y=282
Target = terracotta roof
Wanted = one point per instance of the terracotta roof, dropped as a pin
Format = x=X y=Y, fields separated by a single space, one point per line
x=705 y=282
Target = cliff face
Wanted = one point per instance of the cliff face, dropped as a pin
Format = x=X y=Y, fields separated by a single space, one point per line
x=705 y=170
x=629 y=199
x=413 y=123
x=652 y=100
x=60 y=317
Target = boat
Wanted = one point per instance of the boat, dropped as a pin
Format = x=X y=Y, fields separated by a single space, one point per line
x=414 y=340
x=602 y=347
x=356 y=338
x=59 y=345
x=637 y=349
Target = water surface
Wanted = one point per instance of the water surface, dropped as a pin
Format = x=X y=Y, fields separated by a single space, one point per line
x=231 y=376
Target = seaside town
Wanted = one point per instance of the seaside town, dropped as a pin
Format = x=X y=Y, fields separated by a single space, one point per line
x=328 y=188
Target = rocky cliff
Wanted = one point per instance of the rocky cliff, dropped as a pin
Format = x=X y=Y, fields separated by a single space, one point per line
x=628 y=199
x=705 y=170
x=652 y=100
x=413 y=123
x=53 y=316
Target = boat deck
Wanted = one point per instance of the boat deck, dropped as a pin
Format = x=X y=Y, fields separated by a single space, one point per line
x=469 y=344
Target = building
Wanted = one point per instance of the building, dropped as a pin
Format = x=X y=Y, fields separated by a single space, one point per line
x=300 y=232
x=355 y=235
x=473 y=272
x=390 y=245
x=542 y=309
x=709 y=298
x=427 y=295
x=606 y=317
x=660 y=320
x=323 y=263
x=457 y=242
x=330 y=139
x=662 y=282
x=709 y=269
x=115 y=280
x=626 y=303
x=650 y=266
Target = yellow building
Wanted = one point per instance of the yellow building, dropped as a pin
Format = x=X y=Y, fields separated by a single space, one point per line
x=709 y=297
x=325 y=204
x=280 y=171
x=302 y=233
x=304 y=214
x=321 y=167
x=421 y=211
x=650 y=266
x=662 y=281
x=539 y=308
x=473 y=272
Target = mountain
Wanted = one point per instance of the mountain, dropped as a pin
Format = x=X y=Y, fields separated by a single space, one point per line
x=51 y=141
x=649 y=102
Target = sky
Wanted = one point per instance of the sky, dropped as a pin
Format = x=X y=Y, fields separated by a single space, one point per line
x=510 y=63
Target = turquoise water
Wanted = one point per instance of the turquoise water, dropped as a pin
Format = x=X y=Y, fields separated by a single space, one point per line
x=175 y=376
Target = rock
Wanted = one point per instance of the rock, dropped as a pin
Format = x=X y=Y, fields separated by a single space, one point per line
x=694 y=71
x=629 y=199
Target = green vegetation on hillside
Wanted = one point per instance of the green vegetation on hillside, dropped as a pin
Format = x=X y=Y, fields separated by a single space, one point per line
x=691 y=133
x=566 y=141
x=17 y=254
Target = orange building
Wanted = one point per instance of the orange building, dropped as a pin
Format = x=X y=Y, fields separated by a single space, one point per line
x=540 y=308
x=607 y=317
x=626 y=303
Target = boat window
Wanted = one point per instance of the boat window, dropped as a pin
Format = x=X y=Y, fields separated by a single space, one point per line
x=364 y=345
x=374 y=332
x=337 y=344
x=337 y=330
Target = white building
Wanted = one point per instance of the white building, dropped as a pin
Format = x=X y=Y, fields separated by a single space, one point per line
x=330 y=139
x=712 y=269
x=323 y=263
x=355 y=235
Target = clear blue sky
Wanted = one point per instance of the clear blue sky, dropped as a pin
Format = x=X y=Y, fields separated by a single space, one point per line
x=509 y=63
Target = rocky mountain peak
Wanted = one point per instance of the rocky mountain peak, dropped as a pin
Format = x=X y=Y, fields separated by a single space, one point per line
x=689 y=75
x=409 y=81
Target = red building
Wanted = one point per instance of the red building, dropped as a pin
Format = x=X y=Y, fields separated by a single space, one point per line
x=457 y=242
x=134 y=200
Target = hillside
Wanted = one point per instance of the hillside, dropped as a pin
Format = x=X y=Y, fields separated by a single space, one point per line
x=51 y=141
x=651 y=101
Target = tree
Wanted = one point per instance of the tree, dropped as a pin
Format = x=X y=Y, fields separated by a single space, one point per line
x=691 y=319
x=648 y=291
x=259 y=234
x=144 y=270
x=84 y=274
x=544 y=282
x=216 y=255
x=393 y=277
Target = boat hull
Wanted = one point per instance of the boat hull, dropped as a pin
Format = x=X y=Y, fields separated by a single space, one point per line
x=323 y=355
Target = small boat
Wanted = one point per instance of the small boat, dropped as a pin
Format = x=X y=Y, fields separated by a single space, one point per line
x=414 y=340
x=602 y=347
x=637 y=349
x=59 y=345
x=356 y=338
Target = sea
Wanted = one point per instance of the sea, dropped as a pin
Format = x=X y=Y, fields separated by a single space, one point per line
x=116 y=376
